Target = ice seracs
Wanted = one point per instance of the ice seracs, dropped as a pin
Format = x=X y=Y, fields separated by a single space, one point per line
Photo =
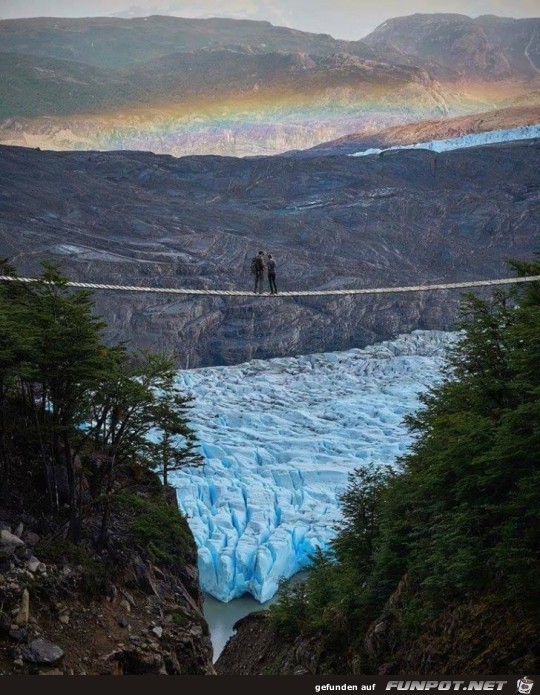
x=279 y=438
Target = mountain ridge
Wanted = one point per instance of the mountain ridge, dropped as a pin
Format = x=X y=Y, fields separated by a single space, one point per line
x=238 y=87
x=219 y=101
x=162 y=34
x=455 y=47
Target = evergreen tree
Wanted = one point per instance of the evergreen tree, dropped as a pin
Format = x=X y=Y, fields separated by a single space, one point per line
x=173 y=444
x=74 y=408
x=138 y=417
x=461 y=518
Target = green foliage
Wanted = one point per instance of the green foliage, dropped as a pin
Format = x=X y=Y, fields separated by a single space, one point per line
x=474 y=468
x=461 y=518
x=339 y=590
x=94 y=573
x=77 y=411
x=158 y=527
x=172 y=445
x=360 y=504
x=290 y=615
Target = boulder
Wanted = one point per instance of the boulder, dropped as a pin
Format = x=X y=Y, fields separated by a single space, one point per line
x=30 y=538
x=42 y=651
x=125 y=605
x=23 y=615
x=33 y=564
x=10 y=540
x=19 y=530
x=18 y=634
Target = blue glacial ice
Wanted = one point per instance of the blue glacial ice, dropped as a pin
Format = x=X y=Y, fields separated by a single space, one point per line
x=279 y=438
x=490 y=137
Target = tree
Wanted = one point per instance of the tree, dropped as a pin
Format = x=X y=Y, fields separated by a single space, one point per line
x=72 y=407
x=67 y=361
x=461 y=517
x=474 y=468
x=172 y=445
x=137 y=416
x=49 y=359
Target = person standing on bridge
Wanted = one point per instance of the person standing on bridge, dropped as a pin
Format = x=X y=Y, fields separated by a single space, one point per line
x=258 y=267
x=271 y=265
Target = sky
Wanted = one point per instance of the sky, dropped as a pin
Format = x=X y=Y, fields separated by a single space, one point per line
x=344 y=19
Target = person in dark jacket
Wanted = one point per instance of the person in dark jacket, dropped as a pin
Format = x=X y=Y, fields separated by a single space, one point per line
x=260 y=267
x=271 y=265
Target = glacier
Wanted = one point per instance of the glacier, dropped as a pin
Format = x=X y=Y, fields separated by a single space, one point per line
x=279 y=438
x=490 y=137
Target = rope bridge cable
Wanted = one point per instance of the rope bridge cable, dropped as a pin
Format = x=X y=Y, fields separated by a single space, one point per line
x=295 y=293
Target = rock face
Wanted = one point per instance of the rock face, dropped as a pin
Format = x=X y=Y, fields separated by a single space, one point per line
x=403 y=218
x=91 y=619
x=258 y=649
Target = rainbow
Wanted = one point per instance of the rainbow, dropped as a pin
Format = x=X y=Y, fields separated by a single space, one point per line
x=256 y=123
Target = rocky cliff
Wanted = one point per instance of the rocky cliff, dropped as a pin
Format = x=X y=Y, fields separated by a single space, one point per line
x=68 y=609
x=479 y=636
x=332 y=222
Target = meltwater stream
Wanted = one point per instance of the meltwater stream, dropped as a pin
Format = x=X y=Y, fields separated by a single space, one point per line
x=279 y=438
x=221 y=617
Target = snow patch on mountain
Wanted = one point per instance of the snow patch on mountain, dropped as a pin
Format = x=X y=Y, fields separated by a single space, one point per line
x=279 y=438
x=472 y=140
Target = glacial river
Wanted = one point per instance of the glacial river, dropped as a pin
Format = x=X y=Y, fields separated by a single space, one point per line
x=222 y=616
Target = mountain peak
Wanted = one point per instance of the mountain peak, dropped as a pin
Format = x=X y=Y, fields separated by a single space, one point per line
x=455 y=46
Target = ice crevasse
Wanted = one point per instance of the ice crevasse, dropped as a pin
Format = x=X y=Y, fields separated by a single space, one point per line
x=279 y=438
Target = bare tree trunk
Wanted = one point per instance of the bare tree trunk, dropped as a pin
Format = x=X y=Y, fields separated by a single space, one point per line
x=74 y=533
x=48 y=466
x=102 y=540
x=4 y=457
